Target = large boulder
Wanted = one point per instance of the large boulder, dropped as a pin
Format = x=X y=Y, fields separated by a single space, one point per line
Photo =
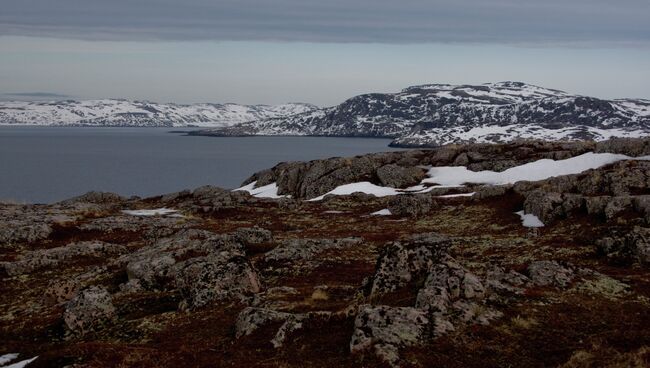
x=405 y=262
x=217 y=277
x=88 y=310
x=627 y=248
x=383 y=330
x=410 y=204
x=550 y=273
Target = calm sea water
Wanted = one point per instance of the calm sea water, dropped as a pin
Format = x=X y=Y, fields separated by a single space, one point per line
x=48 y=164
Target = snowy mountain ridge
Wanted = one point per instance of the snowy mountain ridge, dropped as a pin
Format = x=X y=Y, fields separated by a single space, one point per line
x=436 y=114
x=118 y=112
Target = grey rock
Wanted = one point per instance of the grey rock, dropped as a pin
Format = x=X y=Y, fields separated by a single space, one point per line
x=383 y=330
x=396 y=176
x=550 y=273
x=497 y=279
x=305 y=249
x=252 y=235
x=403 y=262
x=631 y=247
x=218 y=277
x=88 y=310
x=102 y=198
x=52 y=257
x=410 y=204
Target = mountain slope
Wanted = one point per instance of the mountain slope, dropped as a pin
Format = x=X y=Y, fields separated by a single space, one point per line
x=435 y=114
x=111 y=112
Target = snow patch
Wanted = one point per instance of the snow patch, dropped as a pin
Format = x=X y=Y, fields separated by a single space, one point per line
x=457 y=195
x=4 y=359
x=266 y=191
x=529 y=220
x=384 y=212
x=363 y=187
x=9 y=357
x=533 y=171
x=153 y=212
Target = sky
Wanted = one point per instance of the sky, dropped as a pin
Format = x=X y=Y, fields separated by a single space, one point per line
x=322 y=52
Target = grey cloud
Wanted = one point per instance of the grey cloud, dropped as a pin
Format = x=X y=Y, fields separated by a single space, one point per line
x=33 y=96
x=384 y=21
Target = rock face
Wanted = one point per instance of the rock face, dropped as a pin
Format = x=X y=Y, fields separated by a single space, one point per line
x=605 y=192
x=437 y=114
x=89 y=309
x=396 y=176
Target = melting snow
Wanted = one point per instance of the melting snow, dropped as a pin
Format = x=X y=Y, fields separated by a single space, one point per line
x=153 y=212
x=457 y=195
x=4 y=359
x=363 y=187
x=267 y=191
x=529 y=220
x=384 y=212
x=533 y=171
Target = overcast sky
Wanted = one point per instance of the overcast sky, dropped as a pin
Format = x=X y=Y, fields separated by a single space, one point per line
x=273 y=51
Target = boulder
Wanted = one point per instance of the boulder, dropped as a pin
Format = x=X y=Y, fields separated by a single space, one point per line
x=627 y=248
x=218 y=277
x=410 y=204
x=550 y=273
x=383 y=330
x=88 y=310
x=403 y=262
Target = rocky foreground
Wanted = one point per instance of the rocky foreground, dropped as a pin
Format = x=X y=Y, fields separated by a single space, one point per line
x=212 y=277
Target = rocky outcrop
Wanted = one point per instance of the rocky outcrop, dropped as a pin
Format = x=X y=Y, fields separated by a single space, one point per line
x=306 y=249
x=203 y=266
x=384 y=330
x=605 y=192
x=449 y=297
x=396 y=176
x=217 y=277
x=88 y=310
x=627 y=248
x=550 y=273
x=101 y=198
x=53 y=257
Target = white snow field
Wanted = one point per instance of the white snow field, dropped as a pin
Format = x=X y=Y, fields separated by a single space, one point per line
x=529 y=220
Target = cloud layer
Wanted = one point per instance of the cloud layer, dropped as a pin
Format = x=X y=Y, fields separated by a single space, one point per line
x=589 y=22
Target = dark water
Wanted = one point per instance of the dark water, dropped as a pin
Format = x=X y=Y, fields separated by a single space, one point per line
x=48 y=164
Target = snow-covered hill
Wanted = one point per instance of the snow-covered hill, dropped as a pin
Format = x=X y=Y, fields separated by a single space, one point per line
x=111 y=112
x=435 y=114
